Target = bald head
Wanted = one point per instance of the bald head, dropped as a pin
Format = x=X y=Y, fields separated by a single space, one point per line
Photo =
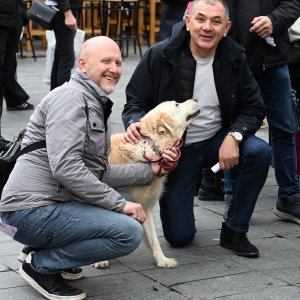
x=98 y=43
x=100 y=58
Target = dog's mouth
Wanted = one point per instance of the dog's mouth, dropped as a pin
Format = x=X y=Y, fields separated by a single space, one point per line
x=194 y=115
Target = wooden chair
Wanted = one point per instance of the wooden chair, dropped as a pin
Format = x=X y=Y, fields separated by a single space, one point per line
x=91 y=17
x=124 y=16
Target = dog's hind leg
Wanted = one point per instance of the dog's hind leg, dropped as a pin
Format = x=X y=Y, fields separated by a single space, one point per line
x=101 y=264
x=152 y=241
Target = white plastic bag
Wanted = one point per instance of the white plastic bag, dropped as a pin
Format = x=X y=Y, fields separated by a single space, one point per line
x=50 y=37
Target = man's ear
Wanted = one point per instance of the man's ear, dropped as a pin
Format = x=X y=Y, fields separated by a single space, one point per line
x=81 y=64
x=228 y=26
x=187 y=22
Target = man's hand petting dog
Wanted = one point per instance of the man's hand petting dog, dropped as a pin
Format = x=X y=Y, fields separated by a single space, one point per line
x=133 y=133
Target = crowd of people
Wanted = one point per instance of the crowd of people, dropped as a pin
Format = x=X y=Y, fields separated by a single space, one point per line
x=215 y=51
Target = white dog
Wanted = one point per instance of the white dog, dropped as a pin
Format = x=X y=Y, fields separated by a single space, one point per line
x=161 y=127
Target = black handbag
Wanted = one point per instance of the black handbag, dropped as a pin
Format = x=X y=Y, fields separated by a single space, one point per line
x=11 y=152
x=42 y=14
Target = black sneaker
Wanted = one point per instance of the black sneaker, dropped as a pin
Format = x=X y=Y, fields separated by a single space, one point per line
x=23 y=106
x=237 y=242
x=288 y=210
x=68 y=274
x=51 y=286
x=211 y=193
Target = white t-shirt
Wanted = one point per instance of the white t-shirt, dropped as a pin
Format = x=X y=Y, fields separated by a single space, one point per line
x=209 y=121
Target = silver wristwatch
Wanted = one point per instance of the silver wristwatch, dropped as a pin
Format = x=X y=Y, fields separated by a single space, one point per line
x=236 y=135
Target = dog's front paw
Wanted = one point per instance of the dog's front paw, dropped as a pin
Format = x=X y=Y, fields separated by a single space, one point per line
x=101 y=264
x=166 y=263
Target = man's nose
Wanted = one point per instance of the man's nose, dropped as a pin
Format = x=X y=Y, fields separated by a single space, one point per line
x=207 y=25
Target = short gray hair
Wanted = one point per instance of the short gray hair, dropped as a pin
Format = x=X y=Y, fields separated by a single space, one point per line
x=223 y=2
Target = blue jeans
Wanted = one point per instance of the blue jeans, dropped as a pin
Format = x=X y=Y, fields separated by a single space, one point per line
x=276 y=91
x=176 y=205
x=73 y=234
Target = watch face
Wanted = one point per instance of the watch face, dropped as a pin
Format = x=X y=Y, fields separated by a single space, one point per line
x=238 y=136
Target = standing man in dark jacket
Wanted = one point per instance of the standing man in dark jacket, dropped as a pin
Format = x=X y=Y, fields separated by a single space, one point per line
x=199 y=61
x=253 y=21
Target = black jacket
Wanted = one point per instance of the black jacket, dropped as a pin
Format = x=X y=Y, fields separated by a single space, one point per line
x=9 y=10
x=65 y=5
x=282 y=13
x=176 y=2
x=167 y=72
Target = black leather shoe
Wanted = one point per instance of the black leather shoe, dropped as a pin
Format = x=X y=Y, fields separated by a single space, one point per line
x=51 y=286
x=288 y=210
x=237 y=242
x=211 y=193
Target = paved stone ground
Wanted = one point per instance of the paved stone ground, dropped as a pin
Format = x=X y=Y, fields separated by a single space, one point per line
x=205 y=270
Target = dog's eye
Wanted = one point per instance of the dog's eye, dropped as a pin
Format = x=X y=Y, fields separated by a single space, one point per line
x=176 y=104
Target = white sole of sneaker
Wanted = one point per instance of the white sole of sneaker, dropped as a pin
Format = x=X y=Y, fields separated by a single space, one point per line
x=70 y=276
x=38 y=288
x=286 y=216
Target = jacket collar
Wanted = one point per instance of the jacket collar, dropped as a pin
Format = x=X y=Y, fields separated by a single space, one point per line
x=89 y=85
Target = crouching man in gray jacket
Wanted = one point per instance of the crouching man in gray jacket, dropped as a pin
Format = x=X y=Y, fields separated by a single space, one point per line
x=60 y=198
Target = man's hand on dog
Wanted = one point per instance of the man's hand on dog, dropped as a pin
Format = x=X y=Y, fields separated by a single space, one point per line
x=135 y=210
x=133 y=136
x=133 y=133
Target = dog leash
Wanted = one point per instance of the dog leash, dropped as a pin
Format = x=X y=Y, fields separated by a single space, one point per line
x=165 y=165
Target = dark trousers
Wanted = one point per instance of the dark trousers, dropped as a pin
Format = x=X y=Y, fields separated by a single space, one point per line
x=14 y=94
x=177 y=203
x=9 y=38
x=64 y=57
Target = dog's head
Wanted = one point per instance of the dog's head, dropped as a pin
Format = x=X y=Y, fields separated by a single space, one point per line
x=167 y=121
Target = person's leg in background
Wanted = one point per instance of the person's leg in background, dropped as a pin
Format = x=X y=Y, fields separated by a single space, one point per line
x=228 y=186
x=15 y=96
x=282 y=124
x=9 y=37
x=64 y=56
x=212 y=186
x=294 y=70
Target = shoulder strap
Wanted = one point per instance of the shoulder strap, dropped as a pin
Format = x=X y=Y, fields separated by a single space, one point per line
x=32 y=147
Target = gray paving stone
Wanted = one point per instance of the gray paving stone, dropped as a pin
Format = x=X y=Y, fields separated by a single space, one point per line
x=195 y=271
x=222 y=286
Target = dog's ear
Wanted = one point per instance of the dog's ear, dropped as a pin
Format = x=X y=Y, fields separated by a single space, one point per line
x=165 y=125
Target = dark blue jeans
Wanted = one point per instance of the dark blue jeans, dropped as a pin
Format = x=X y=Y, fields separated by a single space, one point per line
x=176 y=205
x=275 y=86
